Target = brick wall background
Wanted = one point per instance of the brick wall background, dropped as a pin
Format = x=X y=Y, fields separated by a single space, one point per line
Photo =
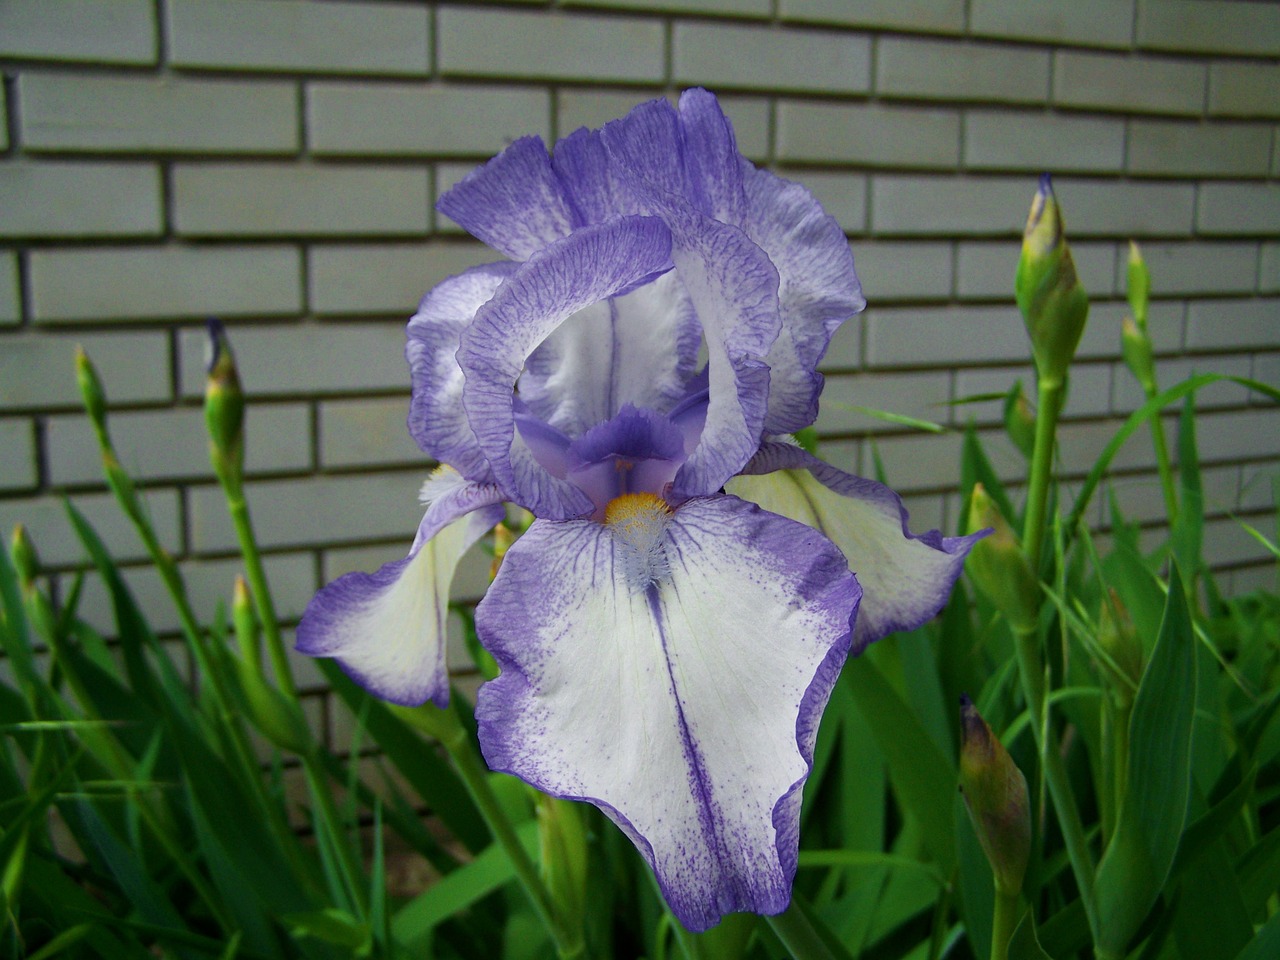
x=275 y=163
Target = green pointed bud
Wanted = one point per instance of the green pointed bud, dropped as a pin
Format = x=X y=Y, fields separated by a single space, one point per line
x=223 y=406
x=275 y=716
x=995 y=794
x=998 y=566
x=1139 y=288
x=1020 y=420
x=248 y=639
x=1123 y=658
x=562 y=839
x=23 y=553
x=1053 y=303
x=1135 y=346
x=93 y=396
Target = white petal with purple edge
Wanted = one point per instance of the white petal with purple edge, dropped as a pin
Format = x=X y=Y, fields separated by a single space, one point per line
x=906 y=578
x=388 y=629
x=687 y=708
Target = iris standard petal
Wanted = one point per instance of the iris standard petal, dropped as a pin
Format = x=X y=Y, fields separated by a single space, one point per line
x=817 y=290
x=906 y=578
x=514 y=203
x=387 y=629
x=685 y=706
x=587 y=267
x=436 y=418
x=711 y=156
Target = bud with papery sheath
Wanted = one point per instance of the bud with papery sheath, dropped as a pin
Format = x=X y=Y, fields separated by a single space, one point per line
x=1135 y=346
x=1020 y=420
x=995 y=794
x=223 y=406
x=1139 y=286
x=23 y=554
x=997 y=565
x=1119 y=641
x=94 y=397
x=1053 y=303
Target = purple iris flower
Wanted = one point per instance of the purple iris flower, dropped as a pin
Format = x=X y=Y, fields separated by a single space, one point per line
x=666 y=647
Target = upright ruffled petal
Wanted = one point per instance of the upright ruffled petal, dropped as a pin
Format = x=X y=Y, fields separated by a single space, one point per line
x=587 y=267
x=906 y=578
x=711 y=156
x=515 y=203
x=387 y=629
x=685 y=707
x=817 y=290
x=436 y=418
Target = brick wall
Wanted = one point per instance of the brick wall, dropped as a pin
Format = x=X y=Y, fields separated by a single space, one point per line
x=275 y=162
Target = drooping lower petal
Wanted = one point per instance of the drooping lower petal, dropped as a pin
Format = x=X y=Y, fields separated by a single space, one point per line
x=387 y=629
x=681 y=694
x=906 y=578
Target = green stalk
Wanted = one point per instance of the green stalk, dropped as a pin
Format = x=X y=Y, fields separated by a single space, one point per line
x=1051 y=396
x=569 y=943
x=1004 y=920
x=798 y=935
x=1167 y=483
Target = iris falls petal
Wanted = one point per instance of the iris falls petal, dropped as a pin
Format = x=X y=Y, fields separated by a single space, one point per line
x=671 y=668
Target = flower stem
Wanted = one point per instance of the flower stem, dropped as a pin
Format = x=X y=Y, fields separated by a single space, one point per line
x=1165 y=465
x=1050 y=405
x=569 y=943
x=1004 y=919
x=798 y=934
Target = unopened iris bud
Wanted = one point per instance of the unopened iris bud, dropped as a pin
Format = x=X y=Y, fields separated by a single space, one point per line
x=93 y=396
x=1020 y=420
x=1119 y=641
x=1053 y=303
x=998 y=566
x=1135 y=346
x=1139 y=286
x=23 y=553
x=562 y=839
x=995 y=794
x=246 y=626
x=223 y=406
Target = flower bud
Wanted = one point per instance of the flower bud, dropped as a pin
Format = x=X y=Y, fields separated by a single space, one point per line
x=1139 y=286
x=562 y=839
x=998 y=566
x=223 y=406
x=1135 y=346
x=1119 y=641
x=23 y=553
x=1053 y=303
x=93 y=396
x=246 y=626
x=995 y=794
x=275 y=716
x=1020 y=420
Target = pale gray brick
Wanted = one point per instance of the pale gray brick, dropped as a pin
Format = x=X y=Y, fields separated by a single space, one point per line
x=948 y=205
x=985 y=270
x=1006 y=140
x=1199 y=149
x=903 y=270
x=1244 y=434
x=729 y=8
x=4 y=125
x=79 y=199
x=1226 y=324
x=56 y=542
x=1269 y=267
x=944 y=336
x=1249 y=580
x=920 y=461
x=1125 y=209
x=1256 y=490
x=1142 y=501
x=1101 y=337
x=929 y=16
x=18 y=465
x=152 y=283
x=304 y=359
x=722 y=55
x=1080 y=443
x=1243 y=89
x=447 y=174
x=313 y=510
x=1129 y=396
x=174 y=444
x=39 y=370
x=294 y=35
x=946 y=70
x=10 y=290
x=1195 y=267
x=977 y=382
x=368 y=279
x=868 y=134
x=104 y=31
x=1098 y=23
x=1228 y=542
x=397 y=119
x=272 y=199
x=1128 y=84
x=1206 y=26
x=845 y=455
x=1241 y=208
x=920 y=395
x=480 y=42
x=842 y=195
x=359 y=433
x=845 y=350
x=926 y=512
x=68 y=112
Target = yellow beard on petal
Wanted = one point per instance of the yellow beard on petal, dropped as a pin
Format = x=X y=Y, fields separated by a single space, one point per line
x=638 y=522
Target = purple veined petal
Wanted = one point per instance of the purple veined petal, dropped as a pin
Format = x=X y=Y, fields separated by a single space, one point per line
x=437 y=420
x=817 y=290
x=712 y=160
x=594 y=191
x=514 y=203
x=639 y=348
x=906 y=578
x=387 y=629
x=686 y=708
x=587 y=267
